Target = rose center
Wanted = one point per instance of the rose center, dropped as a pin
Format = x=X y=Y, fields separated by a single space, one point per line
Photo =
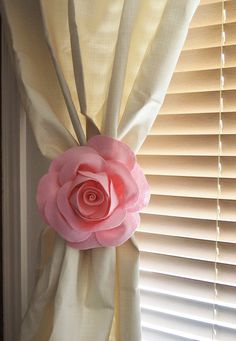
x=93 y=196
x=90 y=196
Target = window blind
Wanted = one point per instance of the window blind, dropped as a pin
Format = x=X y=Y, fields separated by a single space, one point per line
x=187 y=235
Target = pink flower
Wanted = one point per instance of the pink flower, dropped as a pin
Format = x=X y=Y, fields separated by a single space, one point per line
x=91 y=194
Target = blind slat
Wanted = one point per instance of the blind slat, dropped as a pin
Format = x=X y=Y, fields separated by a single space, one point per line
x=186 y=247
x=187 y=268
x=203 y=102
x=154 y=335
x=189 y=145
x=191 y=207
x=206 y=2
x=199 y=166
x=210 y=36
x=195 y=310
x=192 y=187
x=194 y=124
x=210 y=14
x=190 y=329
x=188 y=288
x=206 y=59
x=199 y=81
x=187 y=227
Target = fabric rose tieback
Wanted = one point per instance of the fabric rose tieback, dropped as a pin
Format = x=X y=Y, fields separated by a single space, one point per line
x=92 y=194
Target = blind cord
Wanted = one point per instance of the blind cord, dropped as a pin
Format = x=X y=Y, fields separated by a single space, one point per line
x=219 y=173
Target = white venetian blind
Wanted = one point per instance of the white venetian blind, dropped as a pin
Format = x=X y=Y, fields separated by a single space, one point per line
x=188 y=232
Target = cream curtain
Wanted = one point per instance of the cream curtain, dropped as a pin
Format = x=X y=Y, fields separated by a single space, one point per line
x=108 y=62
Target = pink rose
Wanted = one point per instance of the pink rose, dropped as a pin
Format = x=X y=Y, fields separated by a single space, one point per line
x=91 y=194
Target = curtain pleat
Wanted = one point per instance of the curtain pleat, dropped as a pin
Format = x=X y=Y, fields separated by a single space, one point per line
x=108 y=63
x=110 y=122
x=156 y=72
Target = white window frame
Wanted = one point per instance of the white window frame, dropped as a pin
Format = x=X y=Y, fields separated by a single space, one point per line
x=22 y=165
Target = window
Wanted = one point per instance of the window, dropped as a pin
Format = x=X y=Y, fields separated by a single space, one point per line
x=188 y=232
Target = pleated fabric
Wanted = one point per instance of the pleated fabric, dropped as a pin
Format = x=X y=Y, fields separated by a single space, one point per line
x=108 y=63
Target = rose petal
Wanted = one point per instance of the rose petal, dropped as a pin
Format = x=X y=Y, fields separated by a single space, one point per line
x=124 y=184
x=47 y=186
x=144 y=190
x=120 y=234
x=73 y=220
x=111 y=149
x=77 y=222
x=69 y=155
x=89 y=243
x=99 y=177
x=114 y=200
x=87 y=161
x=57 y=221
x=103 y=180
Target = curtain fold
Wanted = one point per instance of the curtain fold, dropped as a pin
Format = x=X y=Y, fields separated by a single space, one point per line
x=156 y=71
x=107 y=62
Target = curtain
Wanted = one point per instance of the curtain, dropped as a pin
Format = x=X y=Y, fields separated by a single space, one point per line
x=98 y=66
